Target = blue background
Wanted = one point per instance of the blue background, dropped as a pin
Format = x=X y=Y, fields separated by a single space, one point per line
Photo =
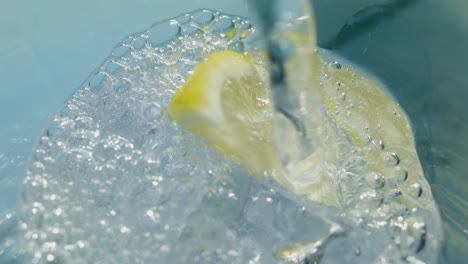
x=49 y=47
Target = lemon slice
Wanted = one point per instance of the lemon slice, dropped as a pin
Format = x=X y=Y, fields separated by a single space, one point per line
x=227 y=101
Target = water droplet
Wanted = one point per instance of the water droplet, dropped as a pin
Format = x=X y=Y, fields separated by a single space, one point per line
x=335 y=65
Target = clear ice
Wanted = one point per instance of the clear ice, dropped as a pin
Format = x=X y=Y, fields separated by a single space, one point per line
x=113 y=180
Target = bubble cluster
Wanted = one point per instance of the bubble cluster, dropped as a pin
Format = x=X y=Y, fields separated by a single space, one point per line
x=394 y=190
x=106 y=174
x=113 y=180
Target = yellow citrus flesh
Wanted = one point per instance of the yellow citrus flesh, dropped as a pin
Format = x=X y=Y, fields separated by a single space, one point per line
x=379 y=129
x=227 y=101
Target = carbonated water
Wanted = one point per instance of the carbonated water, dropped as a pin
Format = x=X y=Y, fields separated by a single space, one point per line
x=113 y=180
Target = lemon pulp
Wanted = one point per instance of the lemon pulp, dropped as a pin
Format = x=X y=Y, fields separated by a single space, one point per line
x=226 y=101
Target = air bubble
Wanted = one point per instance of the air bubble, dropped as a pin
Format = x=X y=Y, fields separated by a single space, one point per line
x=400 y=174
x=244 y=28
x=415 y=190
x=372 y=198
x=152 y=139
x=375 y=146
x=52 y=129
x=357 y=251
x=122 y=86
x=65 y=111
x=98 y=82
x=391 y=159
x=114 y=68
x=192 y=30
x=153 y=111
x=243 y=34
x=410 y=234
x=417 y=231
x=223 y=25
x=381 y=145
x=375 y=180
x=394 y=192
x=120 y=51
x=140 y=42
x=335 y=65
x=203 y=18
x=238 y=47
x=50 y=257
x=128 y=40
x=245 y=25
x=163 y=32
x=252 y=40
x=183 y=19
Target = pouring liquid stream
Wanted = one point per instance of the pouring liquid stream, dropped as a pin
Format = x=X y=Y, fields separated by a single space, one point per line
x=291 y=92
x=291 y=109
x=310 y=111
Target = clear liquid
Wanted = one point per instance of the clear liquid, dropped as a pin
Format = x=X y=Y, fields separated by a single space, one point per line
x=113 y=179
